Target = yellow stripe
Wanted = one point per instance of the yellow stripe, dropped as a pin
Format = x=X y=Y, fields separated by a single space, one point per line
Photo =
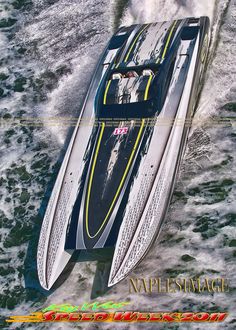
x=106 y=91
x=121 y=182
x=168 y=40
x=147 y=88
x=91 y=175
x=132 y=46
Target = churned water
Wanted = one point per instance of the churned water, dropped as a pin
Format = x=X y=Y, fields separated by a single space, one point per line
x=48 y=52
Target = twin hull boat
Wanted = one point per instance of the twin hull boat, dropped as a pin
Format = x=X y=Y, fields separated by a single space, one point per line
x=117 y=177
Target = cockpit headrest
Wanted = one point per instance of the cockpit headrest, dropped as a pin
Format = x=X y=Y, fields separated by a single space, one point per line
x=116 y=76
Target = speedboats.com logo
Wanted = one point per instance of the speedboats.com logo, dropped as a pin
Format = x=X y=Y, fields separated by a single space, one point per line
x=98 y=312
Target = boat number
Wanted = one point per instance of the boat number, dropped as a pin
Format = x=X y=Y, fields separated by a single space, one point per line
x=121 y=130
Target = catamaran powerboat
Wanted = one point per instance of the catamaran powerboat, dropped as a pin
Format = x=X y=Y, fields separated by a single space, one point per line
x=118 y=174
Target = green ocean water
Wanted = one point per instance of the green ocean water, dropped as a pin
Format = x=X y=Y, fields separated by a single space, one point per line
x=48 y=53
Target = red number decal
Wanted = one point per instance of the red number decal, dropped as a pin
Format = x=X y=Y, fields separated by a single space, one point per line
x=121 y=130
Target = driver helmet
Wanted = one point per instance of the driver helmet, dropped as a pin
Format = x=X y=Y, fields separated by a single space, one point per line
x=131 y=74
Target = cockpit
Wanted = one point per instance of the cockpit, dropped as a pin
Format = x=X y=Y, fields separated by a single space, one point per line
x=133 y=92
x=128 y=87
